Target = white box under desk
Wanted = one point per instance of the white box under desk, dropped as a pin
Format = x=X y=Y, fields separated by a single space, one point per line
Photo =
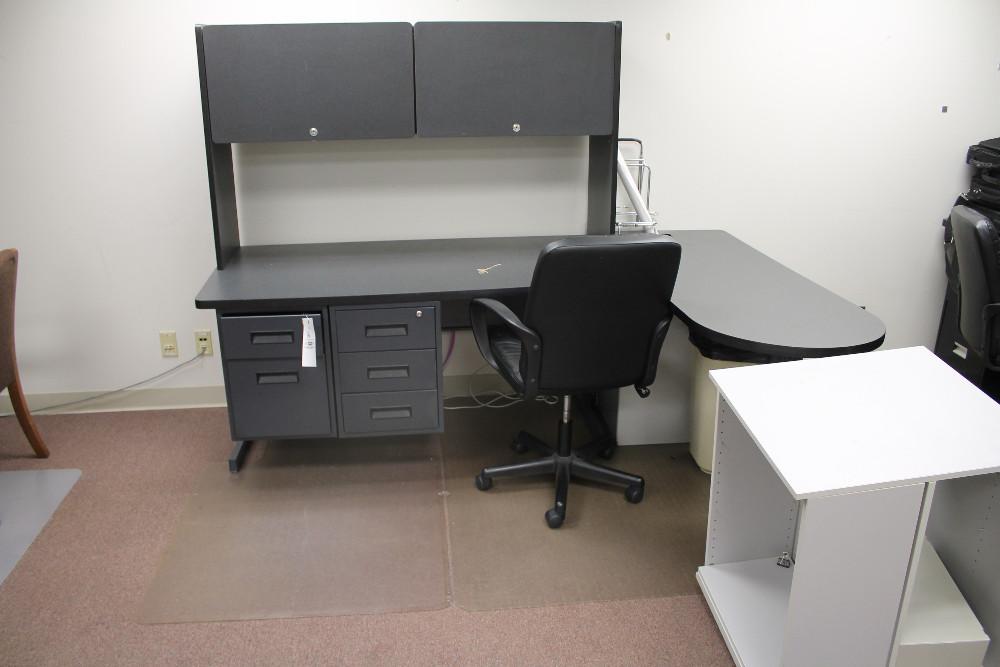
x=834 y=461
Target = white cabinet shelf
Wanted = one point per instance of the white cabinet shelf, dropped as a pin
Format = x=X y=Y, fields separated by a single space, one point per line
x=750 y=601
x=938 y=627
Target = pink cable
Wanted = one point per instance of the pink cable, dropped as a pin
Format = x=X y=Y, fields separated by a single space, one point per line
x=451 y=348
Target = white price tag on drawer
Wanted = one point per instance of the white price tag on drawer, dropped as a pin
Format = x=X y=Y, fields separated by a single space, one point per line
x=308 y=343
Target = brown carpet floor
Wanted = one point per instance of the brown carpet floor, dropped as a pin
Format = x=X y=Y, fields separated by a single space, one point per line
x=503 y=553
x=74 y=597
x=310 y=528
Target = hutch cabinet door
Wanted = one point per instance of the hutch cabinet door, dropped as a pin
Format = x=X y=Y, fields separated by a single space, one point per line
x=515 y=79
x=302 y=82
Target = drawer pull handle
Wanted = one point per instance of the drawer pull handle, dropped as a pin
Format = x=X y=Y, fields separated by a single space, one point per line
x=383 y=330
x=272 y=338
x=387 y=372
x=400 y=412
x=277 y=378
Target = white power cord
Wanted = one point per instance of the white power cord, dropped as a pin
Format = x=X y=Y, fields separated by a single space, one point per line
x=113 y=391
x=500 y=400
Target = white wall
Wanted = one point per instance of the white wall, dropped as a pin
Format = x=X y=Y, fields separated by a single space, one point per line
x=411 y=188
x=811 y=130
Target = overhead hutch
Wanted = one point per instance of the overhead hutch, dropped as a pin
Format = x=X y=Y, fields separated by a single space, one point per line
x=377 y=354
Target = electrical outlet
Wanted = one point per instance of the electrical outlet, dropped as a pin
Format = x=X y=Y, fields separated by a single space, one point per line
x=168 y=343
x=203 y=342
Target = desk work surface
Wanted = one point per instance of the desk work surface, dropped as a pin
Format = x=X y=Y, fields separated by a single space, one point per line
x=864 y=421
x=372 y=271
x=726 y=291
x=731 y=294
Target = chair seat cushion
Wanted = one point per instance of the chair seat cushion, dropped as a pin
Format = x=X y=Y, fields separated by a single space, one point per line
x=506 y=350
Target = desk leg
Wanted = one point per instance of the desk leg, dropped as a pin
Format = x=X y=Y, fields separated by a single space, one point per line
x=592 y=410
x=238 y=455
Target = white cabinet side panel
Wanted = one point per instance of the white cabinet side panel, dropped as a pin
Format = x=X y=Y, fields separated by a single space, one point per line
x=913 y=570
x=751 y=514
x=852 y=558
x=965 y=529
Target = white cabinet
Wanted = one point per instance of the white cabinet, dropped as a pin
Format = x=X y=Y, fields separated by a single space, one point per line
x=834 y=461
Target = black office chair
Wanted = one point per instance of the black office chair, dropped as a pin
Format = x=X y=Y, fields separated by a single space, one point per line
x=977 y=245
x=596 y=316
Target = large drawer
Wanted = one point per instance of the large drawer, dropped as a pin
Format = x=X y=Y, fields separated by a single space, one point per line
x=390 y=411
x=398 y=328
x=387 y=370
x=277 y=398
x=266 y=336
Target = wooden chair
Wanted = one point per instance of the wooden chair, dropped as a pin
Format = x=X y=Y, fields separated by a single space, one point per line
x=9 y=377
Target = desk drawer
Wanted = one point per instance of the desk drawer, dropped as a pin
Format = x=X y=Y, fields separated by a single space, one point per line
x=400 y=328
x=390 y=411
x=277 y=398
x=388 y=370
x=266 y=336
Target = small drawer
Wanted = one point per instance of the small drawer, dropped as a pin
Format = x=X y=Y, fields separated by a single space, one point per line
x=402 y=328
x=390 y=411
x=266 y=336
x=277 y=398
x=388 y=370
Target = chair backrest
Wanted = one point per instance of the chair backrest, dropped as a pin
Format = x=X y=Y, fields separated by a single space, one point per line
x=977 y=245
x=8 y=284
x=595 y=302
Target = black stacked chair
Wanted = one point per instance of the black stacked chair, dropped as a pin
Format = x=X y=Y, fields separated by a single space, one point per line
x=977 y=246
x=984 y=186
x=596 y=316
x=981 y=203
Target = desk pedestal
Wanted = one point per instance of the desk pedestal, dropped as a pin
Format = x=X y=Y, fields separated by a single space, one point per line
x=704 y=396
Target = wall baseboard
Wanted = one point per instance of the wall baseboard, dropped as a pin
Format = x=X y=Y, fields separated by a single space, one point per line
x=456 y=392
x=173 y=398
x=165 y=398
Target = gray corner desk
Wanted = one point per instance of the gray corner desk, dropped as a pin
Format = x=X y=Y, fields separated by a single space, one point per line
x=732 y=297
x=377 y=308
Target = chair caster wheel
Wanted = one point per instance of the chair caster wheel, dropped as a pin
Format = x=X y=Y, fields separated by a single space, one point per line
x=519 y=446
x=608 y=452
x=634 y=493
x=484 y=483
x=554 y=518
